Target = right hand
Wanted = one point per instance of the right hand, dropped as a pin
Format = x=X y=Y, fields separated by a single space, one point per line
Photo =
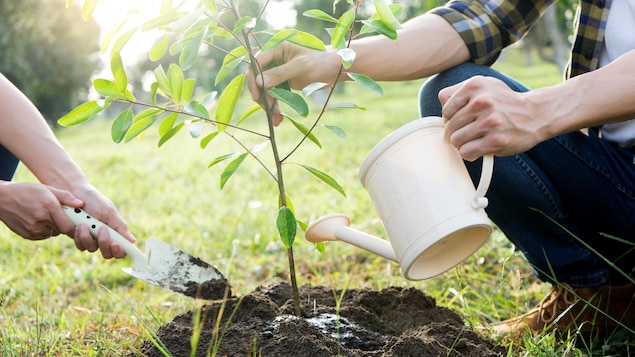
x=298 y=65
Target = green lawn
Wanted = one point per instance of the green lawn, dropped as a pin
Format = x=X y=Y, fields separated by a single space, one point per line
x=59 y=301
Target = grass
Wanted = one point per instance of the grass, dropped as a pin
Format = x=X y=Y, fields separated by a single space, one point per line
x=59 y=301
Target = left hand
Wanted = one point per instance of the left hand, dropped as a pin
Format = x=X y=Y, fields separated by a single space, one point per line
x=485 y=116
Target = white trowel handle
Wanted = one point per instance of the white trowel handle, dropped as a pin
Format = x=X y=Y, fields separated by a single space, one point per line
x=78 y=216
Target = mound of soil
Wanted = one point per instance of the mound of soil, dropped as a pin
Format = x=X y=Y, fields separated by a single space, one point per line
x=390 y=322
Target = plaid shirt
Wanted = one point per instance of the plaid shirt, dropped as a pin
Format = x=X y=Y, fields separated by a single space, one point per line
x=488 y=26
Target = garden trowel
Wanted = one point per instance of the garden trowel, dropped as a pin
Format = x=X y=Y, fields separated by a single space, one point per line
x=162 y=264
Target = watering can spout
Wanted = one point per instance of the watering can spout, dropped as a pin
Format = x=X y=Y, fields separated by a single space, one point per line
x=337 y=227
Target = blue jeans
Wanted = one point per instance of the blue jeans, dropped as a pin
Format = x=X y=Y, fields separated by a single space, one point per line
x=8 y=164
x=557 y=201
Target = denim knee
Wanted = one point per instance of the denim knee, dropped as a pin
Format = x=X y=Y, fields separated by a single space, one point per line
x=429 y=104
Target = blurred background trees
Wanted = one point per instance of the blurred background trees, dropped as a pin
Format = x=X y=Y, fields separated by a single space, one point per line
x=51 y=54
x=48 y=52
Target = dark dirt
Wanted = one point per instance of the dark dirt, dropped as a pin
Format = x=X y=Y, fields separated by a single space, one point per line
x=209 y=290
x=390 y=322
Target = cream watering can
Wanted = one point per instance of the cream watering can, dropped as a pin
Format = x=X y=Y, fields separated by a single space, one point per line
x=431 y=212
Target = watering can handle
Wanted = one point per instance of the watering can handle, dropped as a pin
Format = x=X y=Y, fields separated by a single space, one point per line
x=480 y=201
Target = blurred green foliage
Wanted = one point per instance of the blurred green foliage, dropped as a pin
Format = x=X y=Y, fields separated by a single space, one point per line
x=48 y=53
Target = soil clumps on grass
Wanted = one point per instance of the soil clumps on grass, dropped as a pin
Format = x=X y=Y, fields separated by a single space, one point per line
x=391 y=322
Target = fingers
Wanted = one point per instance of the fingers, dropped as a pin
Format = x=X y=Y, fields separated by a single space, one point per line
x=102 y=209
x=451 y=102
x=84 y=241
x=107 y=248
x=485 y=116
x=259 y=84
x=285 y=63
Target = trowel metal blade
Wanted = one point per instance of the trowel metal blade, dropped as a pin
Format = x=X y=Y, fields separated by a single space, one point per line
x=173 y=269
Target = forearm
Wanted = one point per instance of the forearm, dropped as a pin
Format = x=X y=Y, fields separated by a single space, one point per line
x=600 y=97
x=25 y=133
x=425 y=45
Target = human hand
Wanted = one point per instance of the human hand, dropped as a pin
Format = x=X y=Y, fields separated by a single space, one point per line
x=485 y=116
x=298 y=65
x=100 y=207
x=34 y=211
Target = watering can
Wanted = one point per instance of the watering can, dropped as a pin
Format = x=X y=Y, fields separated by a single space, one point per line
x=431 y=212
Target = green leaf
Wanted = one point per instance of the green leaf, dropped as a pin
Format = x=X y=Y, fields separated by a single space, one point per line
x=110 y=34
x=325 y=178
x=80 y=114
x=366 y=82
x=320 y=15
x=209 y=98
x=258 y=147
x=348 y=56
x=337 y=130
x=345 y=105
x=304 y=130
x=288 y=203
x=88 y=9
x=231 y=169
x=189 y=52
x=254 y=108
x=381 y=28
x=284 y=85
x=167 y=123
x=303 y=225
x=162 y=79
x=220 y=158
x=195 y=127
x=245 y=22
x=141 y=122
x=315 y=86
x=232 y=60
x=108 y=88
x=211 y=5
x=396 y=11
x=207 y=139
x=158 y=50
x=307 y=40
x=162 y=20
x=121 y=125
x=154 y=88
x=227 y=102
x=294 y=100
x=170 y=134
x=188 y=89
x=186 y=21
x=122 y=40
x=287 y=226
x=342 y=28
x=278 y=38
x=175 y=76
x=197 y=109
x=130 y=97
x=116 y=66
x=386 y=15
x=221 y=33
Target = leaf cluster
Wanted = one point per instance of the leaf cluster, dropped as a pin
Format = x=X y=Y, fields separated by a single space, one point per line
x=176 y=102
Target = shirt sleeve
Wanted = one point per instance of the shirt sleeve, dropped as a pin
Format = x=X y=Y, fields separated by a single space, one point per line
x=488 y=26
